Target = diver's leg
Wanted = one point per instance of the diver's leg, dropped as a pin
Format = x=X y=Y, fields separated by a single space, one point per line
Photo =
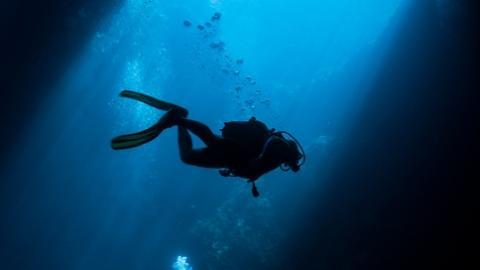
x=200 y=130
x=185 y=144
x=198 y=157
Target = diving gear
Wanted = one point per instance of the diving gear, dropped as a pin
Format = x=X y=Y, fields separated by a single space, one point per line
x=302 y=157
x=255 y=192
x=250 y=135
x=136 y=139
x=144 y=136
x=156 y=103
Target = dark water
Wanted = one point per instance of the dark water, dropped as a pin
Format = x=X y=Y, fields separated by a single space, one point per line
x=377 y=92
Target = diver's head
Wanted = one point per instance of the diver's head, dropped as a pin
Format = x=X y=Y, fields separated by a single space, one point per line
x=293 y=156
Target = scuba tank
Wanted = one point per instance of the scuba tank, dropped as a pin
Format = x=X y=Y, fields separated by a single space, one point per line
x=250 y=135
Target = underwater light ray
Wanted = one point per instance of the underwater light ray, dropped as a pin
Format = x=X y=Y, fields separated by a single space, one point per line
x=120 y=57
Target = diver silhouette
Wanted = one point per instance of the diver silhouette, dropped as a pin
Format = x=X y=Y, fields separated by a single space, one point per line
x=246 y=149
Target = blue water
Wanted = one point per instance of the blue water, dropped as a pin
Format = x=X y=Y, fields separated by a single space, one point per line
x=305 y=67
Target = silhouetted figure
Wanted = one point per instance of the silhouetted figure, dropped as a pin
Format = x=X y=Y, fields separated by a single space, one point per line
x=246 y=149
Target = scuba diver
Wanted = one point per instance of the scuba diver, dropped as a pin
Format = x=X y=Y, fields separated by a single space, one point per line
x=246 y=149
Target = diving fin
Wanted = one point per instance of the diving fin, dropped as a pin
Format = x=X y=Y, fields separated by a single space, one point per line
x=142 y=137
x=159 y=104
x=119 y=144
x=136 y=139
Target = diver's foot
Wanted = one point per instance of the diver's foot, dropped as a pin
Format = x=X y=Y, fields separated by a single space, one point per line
x=181 y=112
x=171 y=117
